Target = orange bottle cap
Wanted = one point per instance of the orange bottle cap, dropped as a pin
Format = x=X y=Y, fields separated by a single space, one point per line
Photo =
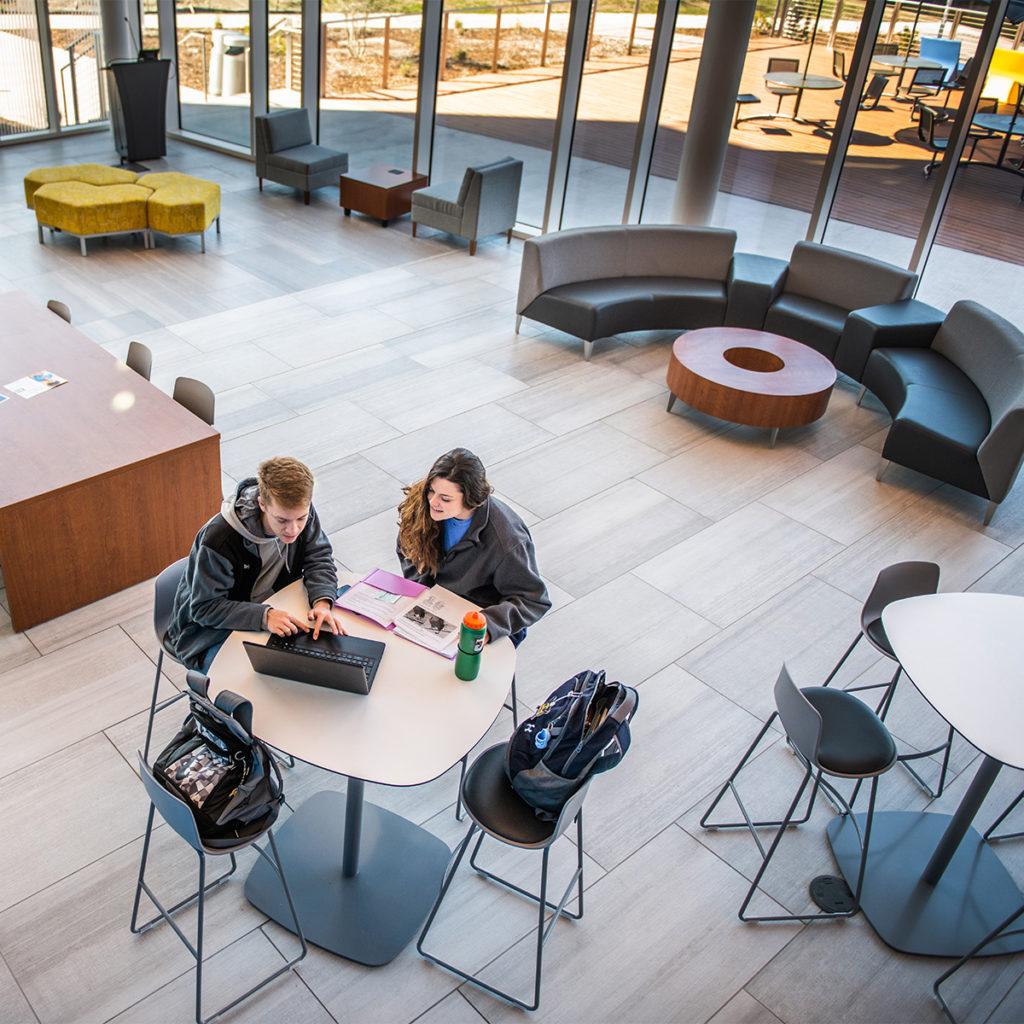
x=474 y=620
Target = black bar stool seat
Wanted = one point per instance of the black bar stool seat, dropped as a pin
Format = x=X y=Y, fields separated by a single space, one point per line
x=854 y=741
x=875 y=632
x=493 y=804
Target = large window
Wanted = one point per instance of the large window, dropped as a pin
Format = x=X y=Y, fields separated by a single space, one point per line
x=977 y=252
x=23 y=97
x=77 y=41
x=369 y=73
x=501 y=69
x=284 y=54
x=885 y=184
x=611 y=95
x=214 y=70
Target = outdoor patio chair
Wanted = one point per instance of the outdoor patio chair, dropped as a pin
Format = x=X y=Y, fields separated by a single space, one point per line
x=927 y=83
x=285 y=153
x=782 y=91
x=484 y=203
x=872 y=94
x=929 y=120
x=839 y=64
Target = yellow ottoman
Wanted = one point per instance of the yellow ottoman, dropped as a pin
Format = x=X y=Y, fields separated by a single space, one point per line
x=90 y=174
x=181 y=205
x=87 y=210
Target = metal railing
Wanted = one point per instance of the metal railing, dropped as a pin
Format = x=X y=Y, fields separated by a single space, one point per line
x=75 y=51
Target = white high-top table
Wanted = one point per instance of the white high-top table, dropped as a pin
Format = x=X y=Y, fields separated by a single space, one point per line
x=933 y=885
x=363 y=878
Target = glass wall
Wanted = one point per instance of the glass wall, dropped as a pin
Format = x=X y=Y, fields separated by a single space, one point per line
x=23 y=98
x=611 y=96
x=214 y=91
x=684 y=59
x=284 y=54
x=150 y=25
x=977 y=252
x=500 y=73
x=77 y=41
x=885 y=184
x=369 y=74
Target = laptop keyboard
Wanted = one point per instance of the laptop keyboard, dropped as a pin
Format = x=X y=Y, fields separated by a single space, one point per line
x=341 y=658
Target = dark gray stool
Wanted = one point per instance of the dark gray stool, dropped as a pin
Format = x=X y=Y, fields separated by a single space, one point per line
x=742 y=100
x=496 y=810
x=833 y=733
x=894 y=583
x=178 y=815
x=163 y=604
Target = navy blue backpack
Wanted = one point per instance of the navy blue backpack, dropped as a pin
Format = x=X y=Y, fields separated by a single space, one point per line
x=580 y=730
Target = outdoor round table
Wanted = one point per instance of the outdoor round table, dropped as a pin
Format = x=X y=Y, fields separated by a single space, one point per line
x=933 y=886
x=800 y=81
x=894 y=60
x=751 y=377
x=363 y=878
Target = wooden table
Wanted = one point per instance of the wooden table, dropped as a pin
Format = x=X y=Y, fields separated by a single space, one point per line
x=383 y=191
x=750 y=377
x=104 y=481
x=932 y=885
x=363 y=878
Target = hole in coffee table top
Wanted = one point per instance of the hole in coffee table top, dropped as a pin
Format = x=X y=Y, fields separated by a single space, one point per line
x=755 y=359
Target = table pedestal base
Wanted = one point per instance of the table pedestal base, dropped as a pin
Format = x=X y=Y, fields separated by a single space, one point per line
x=974 y=894
x=371 y=917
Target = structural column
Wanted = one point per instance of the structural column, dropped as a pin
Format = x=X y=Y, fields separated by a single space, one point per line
x=120 y=29
x=714 y=101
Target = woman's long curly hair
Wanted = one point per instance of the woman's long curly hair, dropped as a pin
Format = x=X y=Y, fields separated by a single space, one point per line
x=419 y=536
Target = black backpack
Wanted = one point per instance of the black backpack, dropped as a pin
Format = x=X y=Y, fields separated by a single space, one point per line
x=228 y=777
x=580 y=730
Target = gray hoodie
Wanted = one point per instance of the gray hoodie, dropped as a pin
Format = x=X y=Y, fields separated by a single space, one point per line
x=234 y=566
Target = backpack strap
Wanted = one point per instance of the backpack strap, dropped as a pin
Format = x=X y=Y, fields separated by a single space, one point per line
x=236 y=707
x=198 y=683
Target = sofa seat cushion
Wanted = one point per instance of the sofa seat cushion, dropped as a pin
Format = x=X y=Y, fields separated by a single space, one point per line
x=308 y=160
x=181 y=204
x=939 y=417
x=89 y=174
x=818 y=324
x=82 y=209
x=601 y=308
x=441 y=198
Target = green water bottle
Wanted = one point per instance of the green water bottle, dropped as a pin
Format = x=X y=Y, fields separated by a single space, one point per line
x=471 y=644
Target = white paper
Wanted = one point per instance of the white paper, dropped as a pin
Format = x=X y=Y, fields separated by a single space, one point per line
x=433 y=619
x=377 y=605
x=35 y=384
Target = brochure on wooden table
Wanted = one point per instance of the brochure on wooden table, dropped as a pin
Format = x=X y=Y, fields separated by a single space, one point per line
x=35 y=384
x=428 y=616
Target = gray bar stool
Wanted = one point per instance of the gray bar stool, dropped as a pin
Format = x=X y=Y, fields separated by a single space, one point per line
x=894 y=583
x=163 y=603
x=60 y=308
x=196 y=397
x=139 y=359
x=835 y=734
x=496 y=810
x=176 y=811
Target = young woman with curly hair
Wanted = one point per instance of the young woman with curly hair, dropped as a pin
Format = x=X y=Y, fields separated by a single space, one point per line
x=453 y=532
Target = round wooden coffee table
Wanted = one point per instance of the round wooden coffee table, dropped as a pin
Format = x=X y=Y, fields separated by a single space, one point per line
x=750 y=377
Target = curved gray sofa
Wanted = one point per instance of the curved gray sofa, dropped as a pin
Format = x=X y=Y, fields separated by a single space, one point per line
x=596 y=282
x=957 y=401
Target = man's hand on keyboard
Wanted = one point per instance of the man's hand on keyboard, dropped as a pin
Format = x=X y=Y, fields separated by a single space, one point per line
x=283 y=624
x=323 y=617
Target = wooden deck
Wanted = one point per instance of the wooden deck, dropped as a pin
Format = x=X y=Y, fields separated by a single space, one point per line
x=882 y=184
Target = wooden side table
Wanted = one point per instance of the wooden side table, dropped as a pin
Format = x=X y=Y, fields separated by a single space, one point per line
x=382 y=191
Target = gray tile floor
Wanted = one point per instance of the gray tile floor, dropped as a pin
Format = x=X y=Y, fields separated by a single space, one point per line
x=685 y=557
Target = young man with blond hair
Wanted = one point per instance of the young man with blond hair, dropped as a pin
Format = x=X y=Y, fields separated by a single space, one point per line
x=265 y=536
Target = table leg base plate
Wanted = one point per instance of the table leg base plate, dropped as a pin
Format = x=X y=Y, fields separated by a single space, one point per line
x=831 y=894
x=972 y=897
x=372 y=917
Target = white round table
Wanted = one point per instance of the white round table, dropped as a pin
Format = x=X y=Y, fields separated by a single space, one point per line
x=363 y=878
x=800 y=81
x=894 y=60
x=933 y=885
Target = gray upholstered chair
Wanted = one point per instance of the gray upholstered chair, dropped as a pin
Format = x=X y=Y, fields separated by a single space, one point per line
x=285 y=153
x=485 y=203
x=823 y=286
x=957 y=401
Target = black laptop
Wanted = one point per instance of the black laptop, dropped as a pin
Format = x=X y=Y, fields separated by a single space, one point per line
x=338 y=662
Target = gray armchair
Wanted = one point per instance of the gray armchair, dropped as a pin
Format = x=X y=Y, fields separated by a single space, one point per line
x=956 y=400
x=823 y=286
x=484 y=204
x=285 y=153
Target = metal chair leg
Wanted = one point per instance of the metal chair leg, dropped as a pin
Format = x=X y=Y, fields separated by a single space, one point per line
x=154 y=706
x=459 y=816
x=990 y=834
x=842 y=660
x=996 y=933
x=514 y=706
